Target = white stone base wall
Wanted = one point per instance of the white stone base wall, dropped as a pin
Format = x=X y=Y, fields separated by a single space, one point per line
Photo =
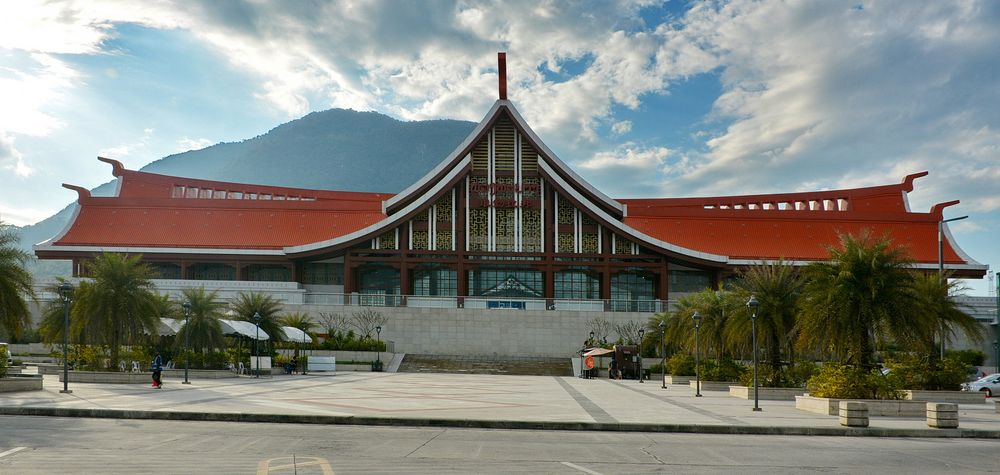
x=502 y=332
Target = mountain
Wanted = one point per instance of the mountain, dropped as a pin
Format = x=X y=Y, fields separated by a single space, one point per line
x=336 y=149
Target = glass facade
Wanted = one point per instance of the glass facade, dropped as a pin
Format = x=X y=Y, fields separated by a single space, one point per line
x=379 y=284
x=506 y=281
x=434 y=280
x=211 y=271
x=323 y=273
x=165 y=270
x=267 y=273
x=577 y=284
x=685 y=281
x=633 y=291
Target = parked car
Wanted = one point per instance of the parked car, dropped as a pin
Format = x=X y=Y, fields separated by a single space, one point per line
x=988 y=384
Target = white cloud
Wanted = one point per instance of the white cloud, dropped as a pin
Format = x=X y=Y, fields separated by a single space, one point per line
x=10 y=158
x=187 y=143
x=621 y=128
x=628 y=171
x=125 y=151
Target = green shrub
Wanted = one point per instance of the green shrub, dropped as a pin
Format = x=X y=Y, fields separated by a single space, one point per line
x=794 y=376
x=350 y=342
x=967 y=357
x=3 y=361
x=850 y=382
x=917 y=372
x=722 y=370
x=681 y=364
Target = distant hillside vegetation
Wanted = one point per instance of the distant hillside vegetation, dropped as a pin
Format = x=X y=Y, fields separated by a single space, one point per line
x=336 y=149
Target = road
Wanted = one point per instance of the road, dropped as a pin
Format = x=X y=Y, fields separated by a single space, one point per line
x=44 y=445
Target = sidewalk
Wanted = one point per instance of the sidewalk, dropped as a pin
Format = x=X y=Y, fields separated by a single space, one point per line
x=460 y=400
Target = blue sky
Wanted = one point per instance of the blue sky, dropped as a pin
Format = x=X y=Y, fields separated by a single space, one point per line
x=642 y=98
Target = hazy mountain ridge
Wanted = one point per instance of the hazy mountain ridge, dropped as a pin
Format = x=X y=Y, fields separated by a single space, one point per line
x=335 y=149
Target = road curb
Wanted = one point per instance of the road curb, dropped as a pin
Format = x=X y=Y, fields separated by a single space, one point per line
x=498 y=424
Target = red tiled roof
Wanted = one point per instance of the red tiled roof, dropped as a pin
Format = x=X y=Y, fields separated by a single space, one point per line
x=793 y=226
x=159 y=211
x=153 y=211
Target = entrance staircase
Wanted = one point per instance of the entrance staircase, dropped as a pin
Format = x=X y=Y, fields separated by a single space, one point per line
x=486 y=365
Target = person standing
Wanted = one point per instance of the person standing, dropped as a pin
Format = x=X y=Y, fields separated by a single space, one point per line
x=157 y=368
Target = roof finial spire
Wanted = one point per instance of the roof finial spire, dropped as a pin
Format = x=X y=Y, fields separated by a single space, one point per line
x=502 y=65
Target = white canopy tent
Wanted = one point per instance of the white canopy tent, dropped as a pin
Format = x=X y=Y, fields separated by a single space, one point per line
x=242 y=328
x=171 y=326
x=295 y=335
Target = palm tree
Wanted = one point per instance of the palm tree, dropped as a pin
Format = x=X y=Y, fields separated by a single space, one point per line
x=863 y=294
x=246 y=305
x=777 y=287
x=118 y=306
x=940 y=311
x=53 y=320
x=717 y=308
x=203 y=331
x=15 y=284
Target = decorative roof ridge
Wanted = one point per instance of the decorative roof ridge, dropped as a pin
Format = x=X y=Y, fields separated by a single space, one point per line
x=906 y=185
x=81 y=192
x=124 y=174
x=117 y=169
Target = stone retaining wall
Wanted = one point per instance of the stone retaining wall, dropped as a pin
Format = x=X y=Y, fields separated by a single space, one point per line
x=107 y=378
x=713 y=385
x=671 y=379
x=954 y=397
x=876 y=407
x=766 y=394
x=21 y=382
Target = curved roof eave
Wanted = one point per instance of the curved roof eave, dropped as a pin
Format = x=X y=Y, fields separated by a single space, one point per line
x=160 y=250
x=622 y=227
x=393 y=220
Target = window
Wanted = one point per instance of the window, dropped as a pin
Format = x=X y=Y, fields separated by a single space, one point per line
x=378 y=279
x=211 y=271
x=323 y=273
x=683 y=281
x=268 y=272
x=165 y=270
x=504 y=281
x=577 y=284
x=434 y=280
x=633 y=291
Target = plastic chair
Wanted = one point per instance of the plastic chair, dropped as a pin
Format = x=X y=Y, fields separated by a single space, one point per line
x=135 y=367
x=242 y=370
x=121 y=366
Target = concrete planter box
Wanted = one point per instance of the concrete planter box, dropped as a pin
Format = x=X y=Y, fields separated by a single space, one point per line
x=108 y=378
x=199 y=373
x=21 y=382
x=671 y=379
x=713 y=385
x=876 y=407
x=766 y=394
x=954 y=397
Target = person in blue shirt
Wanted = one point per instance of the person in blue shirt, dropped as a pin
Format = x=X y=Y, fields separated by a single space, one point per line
x=157 y=368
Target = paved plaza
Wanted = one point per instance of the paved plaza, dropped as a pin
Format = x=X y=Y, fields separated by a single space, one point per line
x=464 y=400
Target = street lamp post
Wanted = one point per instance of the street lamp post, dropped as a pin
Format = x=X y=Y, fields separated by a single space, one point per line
x=941 y=265
x=697 y=354
x=256 y=349
x=187 y=340
x=663 y=355
x=641 y=333
x=65 y=290
x=378 y=348
x=753 y=304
